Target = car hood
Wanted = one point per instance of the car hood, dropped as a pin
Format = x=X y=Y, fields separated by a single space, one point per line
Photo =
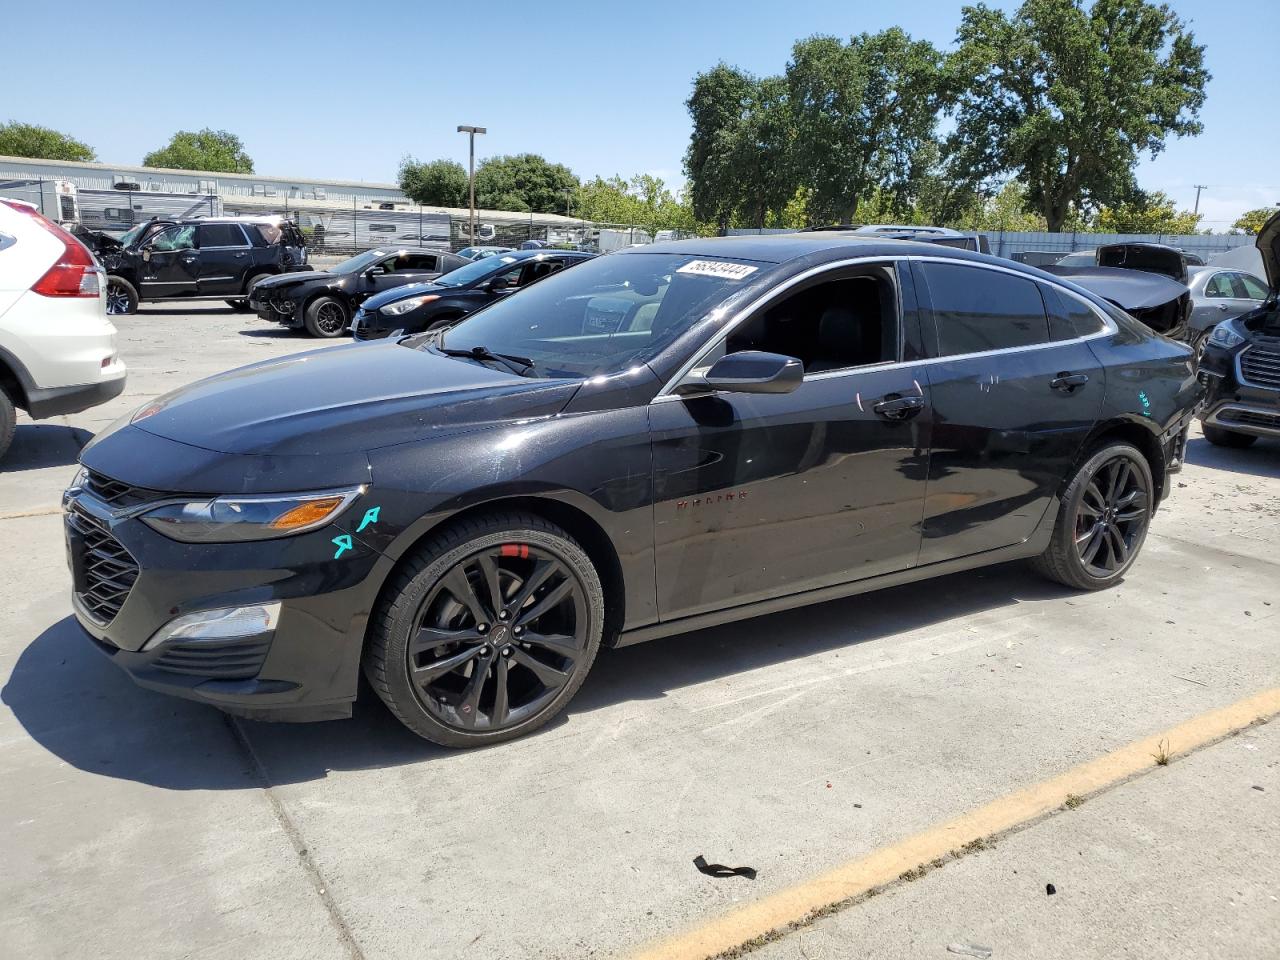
x=1147 y=257
x=399 y=293
x=1268 y=244
x=1127 y=289
x=282 y=280
x=347 y=399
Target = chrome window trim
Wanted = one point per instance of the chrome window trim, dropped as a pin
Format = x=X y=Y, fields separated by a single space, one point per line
x=1109 y=327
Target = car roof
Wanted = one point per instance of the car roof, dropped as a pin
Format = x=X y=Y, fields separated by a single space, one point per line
x=780 y=248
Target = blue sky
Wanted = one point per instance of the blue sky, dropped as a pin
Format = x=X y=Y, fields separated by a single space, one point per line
x=343 y=90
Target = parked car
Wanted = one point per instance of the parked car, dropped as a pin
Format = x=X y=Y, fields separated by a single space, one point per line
x=1156 y=300
x=220 y=258
x=57 y=347
x=1241 y=362
x=430 y=306
x=1218 y=294
x=324 y=302
x=479 y=253
x=1081 y=258
x=652 y=442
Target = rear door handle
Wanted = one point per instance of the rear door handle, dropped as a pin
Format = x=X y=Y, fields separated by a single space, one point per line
x=894 y=407
x=1222 y=307
x=1067 y=382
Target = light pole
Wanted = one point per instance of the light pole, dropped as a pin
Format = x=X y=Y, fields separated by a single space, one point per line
x=471 y=175
x=1199 y=187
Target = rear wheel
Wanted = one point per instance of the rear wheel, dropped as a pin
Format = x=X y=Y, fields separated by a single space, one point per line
x=1103 y=520
x=122 y=297
x=8 y=421
x=1228 y=438
x=326 y=317
x=488 y=632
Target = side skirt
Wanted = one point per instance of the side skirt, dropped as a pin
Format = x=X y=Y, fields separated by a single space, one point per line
x=1031 y=547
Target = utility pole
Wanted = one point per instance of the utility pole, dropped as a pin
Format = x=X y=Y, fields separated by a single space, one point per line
x=471 y=176
x=1199 y=187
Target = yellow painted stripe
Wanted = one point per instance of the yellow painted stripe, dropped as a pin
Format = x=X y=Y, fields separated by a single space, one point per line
x=777 y=911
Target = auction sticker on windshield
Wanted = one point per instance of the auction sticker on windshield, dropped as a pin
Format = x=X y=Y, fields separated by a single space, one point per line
x=718 y=269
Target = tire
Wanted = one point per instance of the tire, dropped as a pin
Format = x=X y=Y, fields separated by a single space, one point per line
x=122 y=297
x=241 y=305
x=1113 y=510
x=8 y=422
x=427 y=635
x=326 y=318
x=1228 y=438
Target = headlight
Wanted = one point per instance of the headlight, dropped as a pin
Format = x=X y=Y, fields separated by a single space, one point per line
x=234 y=519
x=404 y=306
x=1223 y=336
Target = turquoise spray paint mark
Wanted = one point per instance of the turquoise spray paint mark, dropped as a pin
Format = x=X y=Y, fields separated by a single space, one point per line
x=370 y=516
x=1146 y=404
x=344 y=544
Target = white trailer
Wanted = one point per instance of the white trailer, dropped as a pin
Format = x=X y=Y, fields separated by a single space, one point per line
x=56 y=199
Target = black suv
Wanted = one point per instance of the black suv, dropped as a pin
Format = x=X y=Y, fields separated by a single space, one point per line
x=198 y=259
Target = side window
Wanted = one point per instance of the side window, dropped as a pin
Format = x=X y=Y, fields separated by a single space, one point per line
x=1069 y=315
x=1219 y=285
x=174 y=238
x=220 y=235
x=1254 y=289
x=417 y=262
x=848 y=322
x=270 y=233
x=976 y=309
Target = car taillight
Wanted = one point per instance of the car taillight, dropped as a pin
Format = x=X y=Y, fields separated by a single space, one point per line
x=75 y=273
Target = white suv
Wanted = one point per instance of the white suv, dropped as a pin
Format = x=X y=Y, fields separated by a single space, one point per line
x=57 y=347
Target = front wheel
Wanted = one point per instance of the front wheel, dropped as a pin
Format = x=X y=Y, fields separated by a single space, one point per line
x=488 y=631
x=1228 y=438
x=1103 y=520
x=326 y=317
x=122 y=296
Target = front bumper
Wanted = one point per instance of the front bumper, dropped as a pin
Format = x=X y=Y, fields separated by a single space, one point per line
x=129 y=581
x=369 y=325
x=1232 y=401
x=282 y=311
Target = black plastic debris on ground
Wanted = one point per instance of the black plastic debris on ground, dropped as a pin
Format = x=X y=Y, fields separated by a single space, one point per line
x=1050 y=889
x=720 y=870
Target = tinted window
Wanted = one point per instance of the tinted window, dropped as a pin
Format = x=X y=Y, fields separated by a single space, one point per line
x=1081 y=320
x=221 y=235
x=411 y=262
x=976 y=309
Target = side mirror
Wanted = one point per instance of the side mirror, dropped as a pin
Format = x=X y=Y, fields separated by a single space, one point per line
x=498 y=283
x=374 y=272
x=754 y=371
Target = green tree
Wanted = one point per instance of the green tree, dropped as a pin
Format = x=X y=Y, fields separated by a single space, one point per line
x=1146 y=213
x=1251 y=221
x=1006 y=210
x=1065 y=98
x=643 y=201
x=41 y=143
x=525 y=181
x=865 y=113
x=440 y=183
x=202 y=150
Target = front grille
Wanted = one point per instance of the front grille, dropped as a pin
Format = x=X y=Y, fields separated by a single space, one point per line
x=117 y=494
x=1261 y=367
x=1252 y=418
x=105 y=572
x=226 y=660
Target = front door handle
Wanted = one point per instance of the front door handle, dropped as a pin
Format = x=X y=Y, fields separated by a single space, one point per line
x=894 y=407
x=1222 y=307
x=1067 y=382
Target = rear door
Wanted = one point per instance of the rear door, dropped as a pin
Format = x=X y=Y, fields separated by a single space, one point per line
x=225 y=257
x=1012 y=406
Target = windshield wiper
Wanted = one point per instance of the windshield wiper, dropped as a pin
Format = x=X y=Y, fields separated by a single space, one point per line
x=508 y=360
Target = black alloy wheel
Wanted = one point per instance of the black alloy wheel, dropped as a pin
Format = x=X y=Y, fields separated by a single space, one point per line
x=1103 y=519
x=325 y=317
x=490 y=638
x=122 y=298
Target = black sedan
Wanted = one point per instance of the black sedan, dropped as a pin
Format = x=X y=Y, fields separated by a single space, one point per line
x=323 y=303
x=656 y=441
x=447 y=300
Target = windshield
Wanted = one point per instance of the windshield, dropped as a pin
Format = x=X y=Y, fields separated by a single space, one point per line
x=473 y=271
x=602 y=316
x=361 y=261
x=129 y=237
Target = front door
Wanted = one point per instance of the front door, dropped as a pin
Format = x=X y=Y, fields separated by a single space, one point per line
x=225 y=256
x=1012 y=404
x=760 y=495
x=170 y=264
x=398 y=270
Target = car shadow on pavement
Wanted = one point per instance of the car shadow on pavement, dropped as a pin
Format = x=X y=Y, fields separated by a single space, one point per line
x=70 y=699
x=40 y=445
x=274 y=332
x=1260 y=460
